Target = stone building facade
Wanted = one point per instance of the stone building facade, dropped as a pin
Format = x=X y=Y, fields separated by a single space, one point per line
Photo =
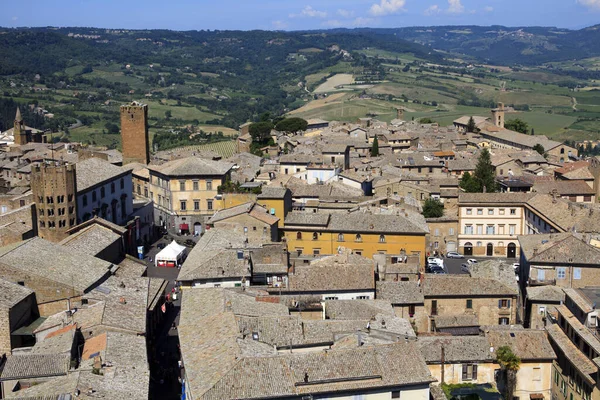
x=54 y=188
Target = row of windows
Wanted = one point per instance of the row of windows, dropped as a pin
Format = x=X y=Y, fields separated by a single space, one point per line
x=561 y=273
x=195 y=185
x=337 y=298
x=357 y=237
x=61 y=223
x=450 y=232
x=502 y=304
x=358 y=252
x=491 y=211
x=490 y=229
x=139 y=191
x=575 y=381
x=84 y=199
x=183 y=204
x=59 y=199
x=60 y=211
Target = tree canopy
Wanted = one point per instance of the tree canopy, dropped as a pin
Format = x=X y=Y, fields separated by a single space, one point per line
x=471 y=125
x=483 y=179
x=509 y=365
x=539 y=148
x=261 y=131
x=291 y=125
x=433 y=208
x=517 y=125
x=375 y=147
x=507 y=359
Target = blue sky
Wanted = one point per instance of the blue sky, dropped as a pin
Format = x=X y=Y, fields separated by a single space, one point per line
x=296 y=14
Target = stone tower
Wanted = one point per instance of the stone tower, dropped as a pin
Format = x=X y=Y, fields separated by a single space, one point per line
x=498 y=115
x=134 y=133
x=400 y=113
x=19 y=131
x=54 y=189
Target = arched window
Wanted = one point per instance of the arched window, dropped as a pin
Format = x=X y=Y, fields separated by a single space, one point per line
x=315 y=236
x=562 y=150
x=358 y=237
x=299 y=235
x=381 y=238
x=340 y=237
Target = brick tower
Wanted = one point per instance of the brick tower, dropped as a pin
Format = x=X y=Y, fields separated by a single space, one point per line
x=20 y=130
x=134 y=133
x=54 y=189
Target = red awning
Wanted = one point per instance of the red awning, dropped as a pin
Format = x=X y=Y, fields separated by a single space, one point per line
x=184 y=227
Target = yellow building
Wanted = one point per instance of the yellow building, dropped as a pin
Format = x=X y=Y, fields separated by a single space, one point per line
x=489 y=223
x=363 y=233
x=184 y=192
x=472 y=359
x=278 y=200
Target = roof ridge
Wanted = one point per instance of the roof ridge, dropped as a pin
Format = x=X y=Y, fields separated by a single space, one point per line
x=569 y=236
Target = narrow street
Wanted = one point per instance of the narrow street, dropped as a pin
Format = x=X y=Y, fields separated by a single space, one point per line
x=164 y=380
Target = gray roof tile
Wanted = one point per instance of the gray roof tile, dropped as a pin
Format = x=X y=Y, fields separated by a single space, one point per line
x=192 y=166
x=94 y=171
x=24 y=366
x=52 y=261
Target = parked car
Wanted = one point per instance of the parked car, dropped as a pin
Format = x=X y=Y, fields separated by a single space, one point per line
x=454 y=254
x=190 y=243
x=471 y=261
x=435 y=260
x=437 y=270
x=464 y=268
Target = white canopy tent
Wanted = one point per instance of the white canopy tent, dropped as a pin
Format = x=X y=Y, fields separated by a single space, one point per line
x=170 y=256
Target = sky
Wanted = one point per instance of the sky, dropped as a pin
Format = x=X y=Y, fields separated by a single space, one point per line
x=296 y=14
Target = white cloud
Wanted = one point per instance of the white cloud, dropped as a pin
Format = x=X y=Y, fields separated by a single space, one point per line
x=279 y=24
x=332 y=23
x=15 y=18
x=432 y=10
x=386 y=7
x=362 y=21
x=356 y=22
x=590 y=3
x=455 y=7
x=309 y=12
x=345 y=13
x=488 y=9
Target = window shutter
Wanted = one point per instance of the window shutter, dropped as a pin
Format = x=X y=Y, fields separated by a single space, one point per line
x=474 y=372
x=508 y=303
x=464 y=372
x=499 y=303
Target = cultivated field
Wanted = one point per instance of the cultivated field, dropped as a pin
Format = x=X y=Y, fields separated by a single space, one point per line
x=216 y=128
x=331 y=85
x=316 y=104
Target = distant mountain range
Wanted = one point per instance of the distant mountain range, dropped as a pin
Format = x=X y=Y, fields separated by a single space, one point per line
x=503 y=45
x=52 y=49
